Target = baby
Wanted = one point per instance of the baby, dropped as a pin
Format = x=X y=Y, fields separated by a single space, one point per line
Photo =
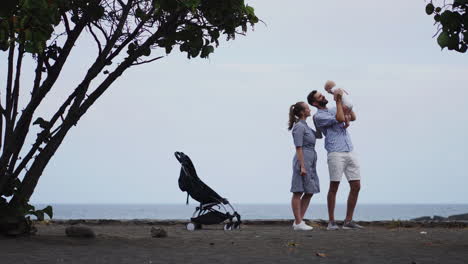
x=347 y=105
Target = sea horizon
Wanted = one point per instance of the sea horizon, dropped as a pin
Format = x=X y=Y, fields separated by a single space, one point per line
x=250 y=211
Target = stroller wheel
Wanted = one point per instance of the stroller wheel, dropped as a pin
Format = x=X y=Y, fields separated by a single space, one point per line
x=191 y=227
x=228 y=226
x=236 y=225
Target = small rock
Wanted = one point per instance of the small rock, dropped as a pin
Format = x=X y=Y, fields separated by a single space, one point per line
x=292 y=244
x=322 y=255
x=158 y=232
x=80 y=230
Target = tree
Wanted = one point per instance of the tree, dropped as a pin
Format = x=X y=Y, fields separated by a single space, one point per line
x=125 y=34
x=452 y=24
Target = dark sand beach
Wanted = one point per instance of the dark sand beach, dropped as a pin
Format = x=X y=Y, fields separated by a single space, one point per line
x=256 y=242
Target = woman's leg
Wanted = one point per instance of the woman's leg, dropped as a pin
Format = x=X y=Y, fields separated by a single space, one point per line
x=305 y=203
x=296 y=207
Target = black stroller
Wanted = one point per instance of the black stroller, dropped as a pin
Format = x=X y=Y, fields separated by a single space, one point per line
x=205 y=214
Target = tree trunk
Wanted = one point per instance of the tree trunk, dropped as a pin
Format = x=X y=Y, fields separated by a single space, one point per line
x=37 y=168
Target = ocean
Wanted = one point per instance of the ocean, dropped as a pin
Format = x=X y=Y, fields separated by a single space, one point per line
x=363 y=212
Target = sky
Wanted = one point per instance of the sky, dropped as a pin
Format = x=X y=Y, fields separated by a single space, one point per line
x=229 y=113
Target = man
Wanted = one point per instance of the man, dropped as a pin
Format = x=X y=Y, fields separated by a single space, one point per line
x=341 y=159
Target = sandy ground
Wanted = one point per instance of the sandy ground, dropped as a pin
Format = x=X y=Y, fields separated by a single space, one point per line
x=254 y=243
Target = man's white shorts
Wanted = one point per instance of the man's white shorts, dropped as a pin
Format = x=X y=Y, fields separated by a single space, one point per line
x=343 y=162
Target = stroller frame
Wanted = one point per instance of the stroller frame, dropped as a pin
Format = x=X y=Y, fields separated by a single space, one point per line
x=205 y=213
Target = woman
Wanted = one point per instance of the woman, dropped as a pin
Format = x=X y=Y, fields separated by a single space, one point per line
x=305 y=181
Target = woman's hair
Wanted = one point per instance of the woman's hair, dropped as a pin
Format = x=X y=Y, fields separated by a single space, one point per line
x=294 y=113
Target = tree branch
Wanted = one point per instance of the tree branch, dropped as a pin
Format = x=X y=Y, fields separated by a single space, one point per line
x=147 y=61
x=22 y=127
x=8 y=103
x=170 y=25
x=129 y=38
x=43 y=136
x=104 y=33
x=118 y=31
x=16 y=88
x=96 y=39
x=15 y=99
x=97 y=66
x=8 y=125
x=38 y=75
x=65 y=22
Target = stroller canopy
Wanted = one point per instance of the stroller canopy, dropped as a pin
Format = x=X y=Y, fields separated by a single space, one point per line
x=190 y=182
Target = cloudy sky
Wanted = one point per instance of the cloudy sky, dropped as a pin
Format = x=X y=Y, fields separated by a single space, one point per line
x=229 y=113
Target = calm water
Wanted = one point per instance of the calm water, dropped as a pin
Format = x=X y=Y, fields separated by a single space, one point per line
x=364 y=212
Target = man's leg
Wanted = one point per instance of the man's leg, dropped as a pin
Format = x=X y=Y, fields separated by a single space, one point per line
x=355 y=187
x=305 y=200
x=336 y=164
x=331 y=199
x=353 y=174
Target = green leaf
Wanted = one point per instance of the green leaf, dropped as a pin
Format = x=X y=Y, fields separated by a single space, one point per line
x=49 y=211
x=75 y=19
x=4 y=45
x=197 y=43
x=8 y=7
x=168 y=5
x=139 y=13
x=147 y=52
x=429 y=9
x=445 y=17
x=453 y=42
x=443 y=39
x=254 y=20
x=168 y=49
x=250 y=10
x=214 y=35
x=39 y=214
x=156 y=5
x=28 y=35
x=206 y=50
x=194 y=52
x=458 y=3
x=192 y=4
x=184 y=47
x=3 y=35
x=29 y=208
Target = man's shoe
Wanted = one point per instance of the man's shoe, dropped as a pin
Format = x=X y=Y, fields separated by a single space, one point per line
x=302 y=226
x=351 y=225
x=332 y=226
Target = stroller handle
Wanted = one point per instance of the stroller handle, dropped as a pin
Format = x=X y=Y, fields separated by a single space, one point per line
x=178 y=155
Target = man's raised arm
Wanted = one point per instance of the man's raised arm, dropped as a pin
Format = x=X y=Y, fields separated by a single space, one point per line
x=340 y=117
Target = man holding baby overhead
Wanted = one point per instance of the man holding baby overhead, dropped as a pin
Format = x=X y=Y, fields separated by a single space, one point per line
x=333 y=123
